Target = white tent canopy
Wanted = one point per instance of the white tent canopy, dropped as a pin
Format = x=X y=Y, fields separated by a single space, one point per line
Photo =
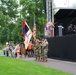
x=71 y=4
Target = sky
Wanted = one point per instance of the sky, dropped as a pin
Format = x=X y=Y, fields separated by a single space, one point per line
x=65 y=3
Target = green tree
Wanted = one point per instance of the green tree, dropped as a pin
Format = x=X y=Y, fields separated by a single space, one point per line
x=11 y=14
x=31 y=8
x=3 y=26
x=17 y=31
x=8 y=16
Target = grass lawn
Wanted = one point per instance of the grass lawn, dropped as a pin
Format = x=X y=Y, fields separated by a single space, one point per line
x=12 y=66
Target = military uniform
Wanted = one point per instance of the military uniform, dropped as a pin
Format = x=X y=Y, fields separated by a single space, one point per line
x=44 y=50
x=36 y=49
x=39 y=51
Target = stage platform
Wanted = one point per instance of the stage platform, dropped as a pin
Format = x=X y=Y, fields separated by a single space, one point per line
x=63 y=48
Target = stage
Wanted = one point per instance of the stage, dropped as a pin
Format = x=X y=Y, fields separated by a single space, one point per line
x=63 y=48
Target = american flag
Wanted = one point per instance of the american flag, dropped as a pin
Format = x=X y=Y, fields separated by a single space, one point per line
x=46 y=29
x=34 y=29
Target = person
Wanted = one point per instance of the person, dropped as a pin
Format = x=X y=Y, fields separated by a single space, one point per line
x=70 y=29
x=11 y=49
x=44 y=50
x=22 y=50
x=74 y=29
x=7 y=50
x=30 y=49
x=36 y=49
x=39 y=49
x=15 y=52
x=18 y=50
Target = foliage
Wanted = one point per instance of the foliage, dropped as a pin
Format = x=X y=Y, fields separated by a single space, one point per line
x=11 y=14
x=31 y=8
x=8 y=15
x=11 y=66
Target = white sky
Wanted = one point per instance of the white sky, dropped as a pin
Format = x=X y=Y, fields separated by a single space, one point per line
x=64 y=3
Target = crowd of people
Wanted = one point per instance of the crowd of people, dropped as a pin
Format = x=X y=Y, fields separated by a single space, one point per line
x=40 y=50
x=37 y=49
x=18 y=50
x=12 y=50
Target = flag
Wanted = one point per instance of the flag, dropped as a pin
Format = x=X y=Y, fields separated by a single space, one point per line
x=34 y=29
x=26 y=33
x=24 y=28
x=46 y=29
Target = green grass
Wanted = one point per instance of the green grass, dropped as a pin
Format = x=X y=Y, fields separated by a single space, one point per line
x=12 y=66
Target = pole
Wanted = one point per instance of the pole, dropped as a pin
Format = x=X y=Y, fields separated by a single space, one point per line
x=48 y=10
x=50 y=17
x=52 y=10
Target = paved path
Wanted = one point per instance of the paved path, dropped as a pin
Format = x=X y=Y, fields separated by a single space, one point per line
x=1 y=54
x=66 y=66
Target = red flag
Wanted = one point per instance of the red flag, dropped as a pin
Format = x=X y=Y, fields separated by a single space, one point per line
x=26 y=32
x=24 y=28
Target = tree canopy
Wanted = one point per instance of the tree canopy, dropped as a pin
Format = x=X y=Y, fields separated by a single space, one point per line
x=11 y=14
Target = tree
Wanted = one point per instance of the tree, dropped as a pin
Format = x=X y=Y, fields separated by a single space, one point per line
x=8 y=16
x=17 y=31
x=31 y=8
x=11 y=14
